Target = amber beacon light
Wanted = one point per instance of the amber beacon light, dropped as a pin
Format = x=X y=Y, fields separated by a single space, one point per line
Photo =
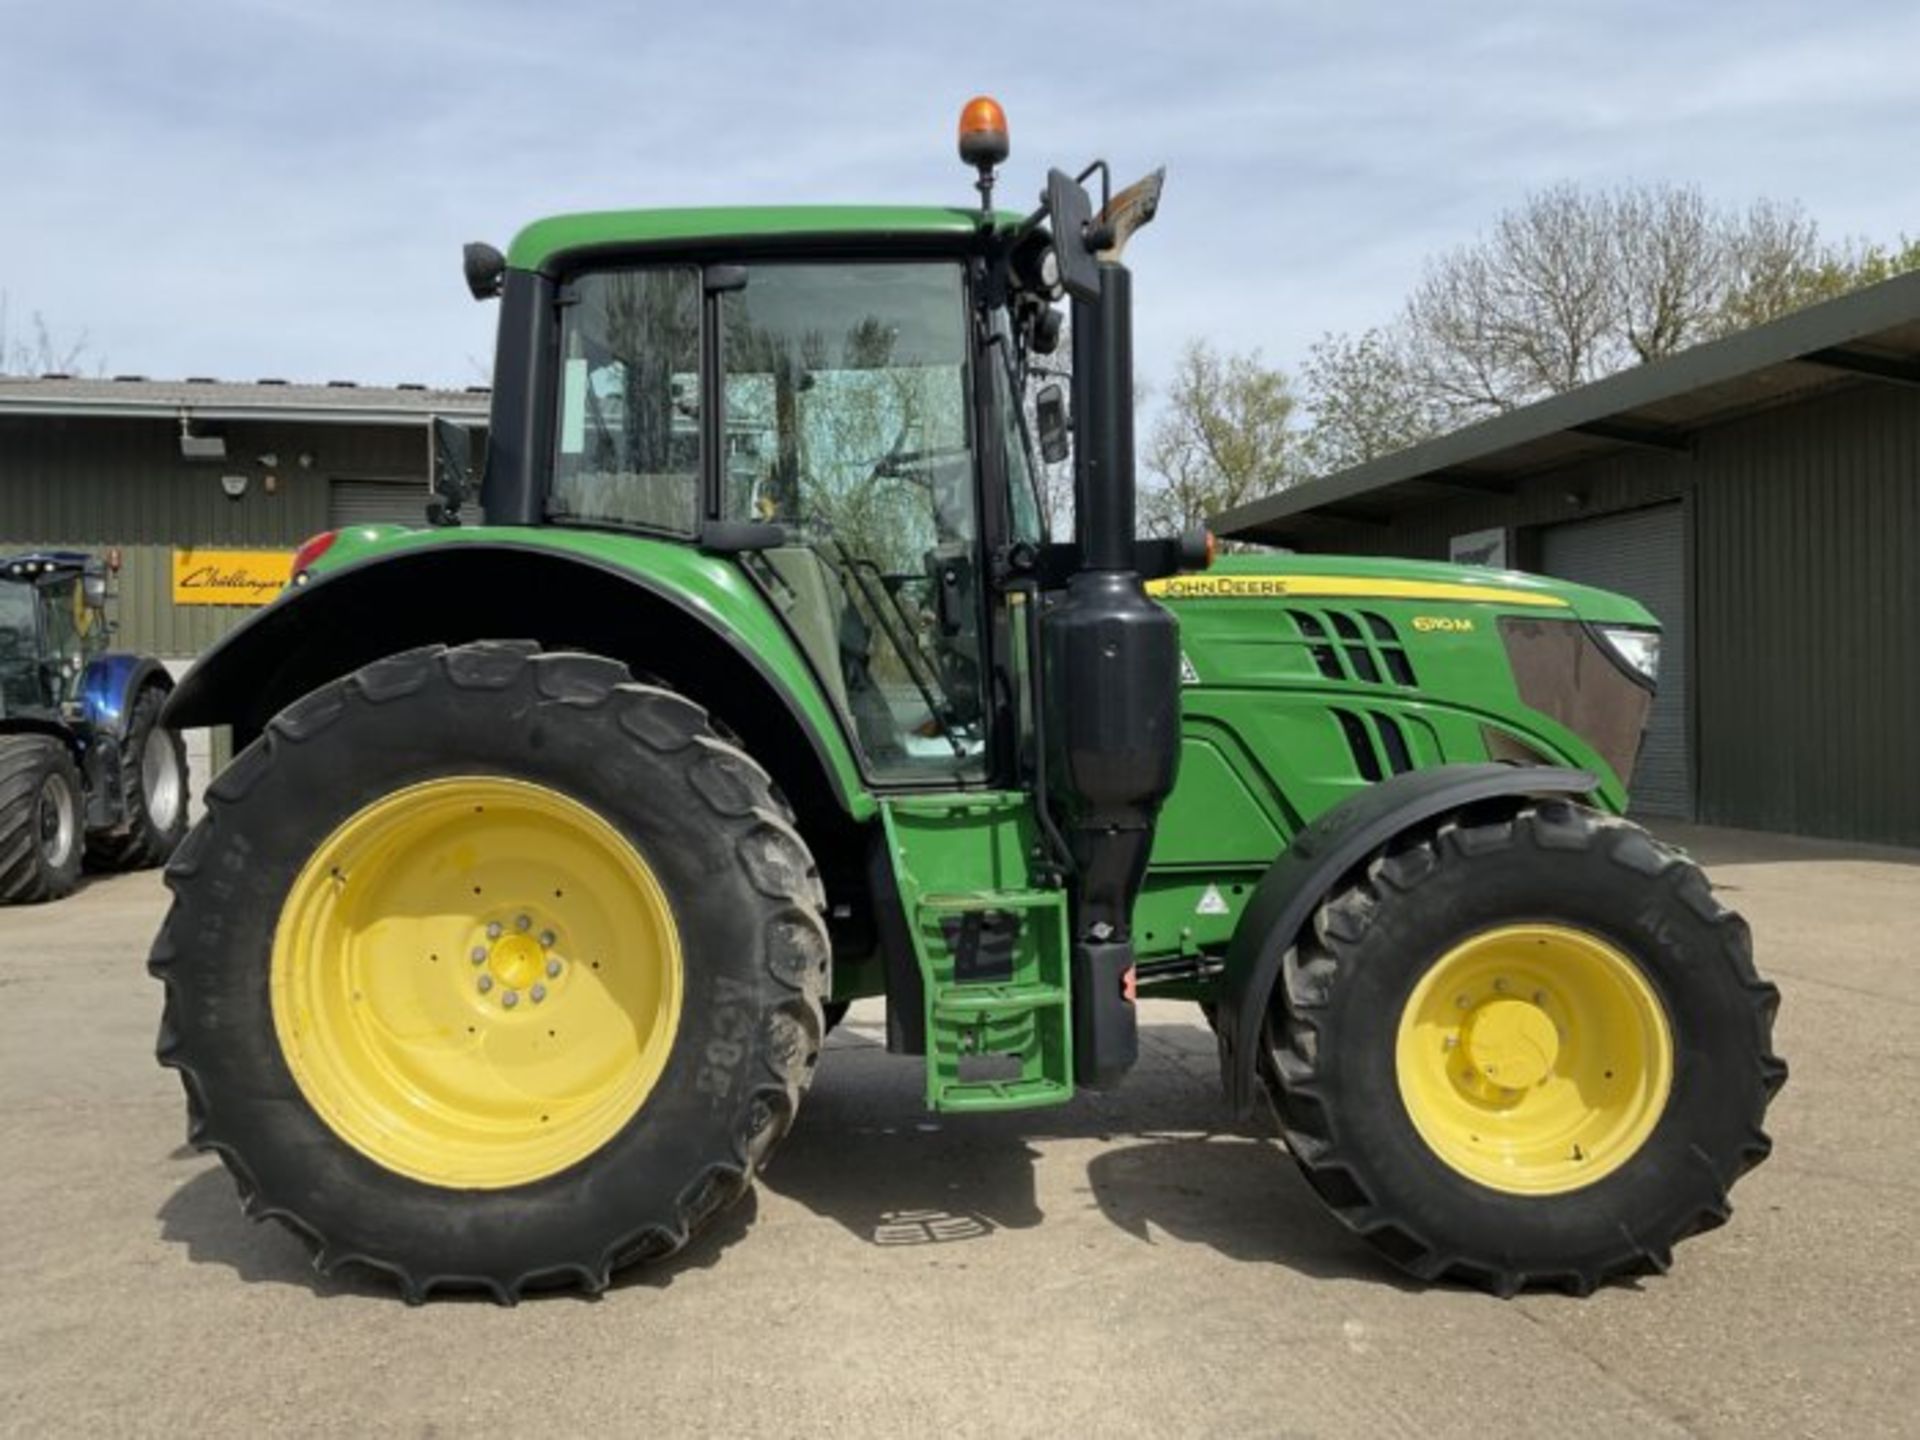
x=983 y=141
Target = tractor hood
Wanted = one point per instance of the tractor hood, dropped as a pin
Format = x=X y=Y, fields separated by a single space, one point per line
x=1281 y=576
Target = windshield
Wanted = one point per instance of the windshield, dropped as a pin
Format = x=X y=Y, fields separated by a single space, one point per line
x=20 y=676
x=847 y=420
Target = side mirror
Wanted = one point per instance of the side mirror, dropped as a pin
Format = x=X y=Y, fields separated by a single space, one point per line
x=1050 y=412
x=1071 y=219
x=452 y=471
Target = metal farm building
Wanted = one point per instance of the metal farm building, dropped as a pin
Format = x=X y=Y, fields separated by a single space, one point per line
x=1761 y=494
x=163 y=473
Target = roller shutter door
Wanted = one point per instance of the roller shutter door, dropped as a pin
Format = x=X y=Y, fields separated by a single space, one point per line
x=373 y=502
x=1643 y=553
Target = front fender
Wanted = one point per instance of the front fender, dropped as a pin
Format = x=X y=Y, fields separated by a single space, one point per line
x=109 y=686
x=1312 y=866
x=666 y=610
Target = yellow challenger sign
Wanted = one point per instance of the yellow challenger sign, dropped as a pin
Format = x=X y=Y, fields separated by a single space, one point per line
x=230 y=577
x=1321 y=587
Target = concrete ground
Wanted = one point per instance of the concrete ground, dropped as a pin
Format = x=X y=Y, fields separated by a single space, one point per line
x=1125 y=1265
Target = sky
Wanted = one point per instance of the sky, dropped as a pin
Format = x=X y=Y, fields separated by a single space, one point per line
x=260 y=189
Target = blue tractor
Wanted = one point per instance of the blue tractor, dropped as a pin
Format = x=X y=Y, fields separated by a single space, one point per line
x=88 y=774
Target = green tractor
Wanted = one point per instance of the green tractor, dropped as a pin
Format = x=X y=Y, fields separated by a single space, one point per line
x=557 y=840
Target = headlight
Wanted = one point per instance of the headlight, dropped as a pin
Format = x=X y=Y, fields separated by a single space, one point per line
x=1639 y=650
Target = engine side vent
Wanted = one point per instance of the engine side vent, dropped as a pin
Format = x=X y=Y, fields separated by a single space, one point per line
x=1387 y=641
x=1355 y=645
x=1399 y=757
x=1323 y=653
x=1358 y=655
x=1366 y=759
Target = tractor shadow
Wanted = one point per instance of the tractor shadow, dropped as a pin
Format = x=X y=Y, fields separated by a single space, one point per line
x=203 y=1215
x=867 y=1155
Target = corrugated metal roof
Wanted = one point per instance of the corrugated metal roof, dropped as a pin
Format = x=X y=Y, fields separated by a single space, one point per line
x=139 y=397
x=1872 y=333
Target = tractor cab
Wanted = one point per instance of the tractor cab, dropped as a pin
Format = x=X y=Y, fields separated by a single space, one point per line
x=844 y=436
x=52 y=626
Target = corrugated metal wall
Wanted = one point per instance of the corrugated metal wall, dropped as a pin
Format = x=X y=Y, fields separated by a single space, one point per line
x=1807 y=526
x=1806 y=601
x=88 y=484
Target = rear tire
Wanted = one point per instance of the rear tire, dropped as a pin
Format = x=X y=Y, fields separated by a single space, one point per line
x=1441 y=1179
x=153 y=789
x=41 y=809
x=749 y=943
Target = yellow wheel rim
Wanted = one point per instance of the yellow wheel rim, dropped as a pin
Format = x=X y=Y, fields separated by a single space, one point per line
x=476 y=982
x=1534 y=1059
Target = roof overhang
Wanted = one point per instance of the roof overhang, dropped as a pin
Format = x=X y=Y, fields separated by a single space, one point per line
x=1871 y=335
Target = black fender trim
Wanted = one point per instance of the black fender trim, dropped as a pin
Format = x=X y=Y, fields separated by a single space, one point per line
x=1308 y=869
x=228 y=682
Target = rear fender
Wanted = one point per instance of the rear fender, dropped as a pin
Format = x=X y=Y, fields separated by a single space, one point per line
x=701 y=629
x=1314 y=865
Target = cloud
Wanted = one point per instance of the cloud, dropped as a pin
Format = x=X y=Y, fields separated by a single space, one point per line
x=282 y=189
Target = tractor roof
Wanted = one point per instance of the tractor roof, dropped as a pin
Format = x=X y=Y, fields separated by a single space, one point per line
x=40 y=564
x=541 y=241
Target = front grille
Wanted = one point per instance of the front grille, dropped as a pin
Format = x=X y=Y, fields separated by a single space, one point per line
x=1562 y=671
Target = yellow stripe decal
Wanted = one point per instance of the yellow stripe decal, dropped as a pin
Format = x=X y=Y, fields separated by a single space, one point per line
x=1302 y=587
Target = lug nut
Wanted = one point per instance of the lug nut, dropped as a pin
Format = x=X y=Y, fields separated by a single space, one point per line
x=486 y=983
x=493 y=930
x=510 y=999
x=479 y=956
x=523 y=923
x=546 y=939
x=553 y=968
x=537 y=993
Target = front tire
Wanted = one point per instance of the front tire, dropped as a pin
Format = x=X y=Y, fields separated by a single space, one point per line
x=153 y=789
x=41 y=806
x=401 y=852
x=1525 y=1050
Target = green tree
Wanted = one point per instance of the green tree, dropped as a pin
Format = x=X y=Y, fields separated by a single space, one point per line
x=1366 y=399
x=1223 y=437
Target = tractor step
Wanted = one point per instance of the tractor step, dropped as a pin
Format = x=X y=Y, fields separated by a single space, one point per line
x=993 y=956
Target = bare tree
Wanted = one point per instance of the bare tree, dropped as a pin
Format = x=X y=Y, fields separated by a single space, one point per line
x=1223 y=437
x=1527 y=308
x=1565 y=288
x=1670 y=266
x=39 y=352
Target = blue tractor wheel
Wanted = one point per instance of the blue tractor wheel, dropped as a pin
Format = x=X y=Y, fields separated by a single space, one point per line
x=41 y=810
x=153 y=792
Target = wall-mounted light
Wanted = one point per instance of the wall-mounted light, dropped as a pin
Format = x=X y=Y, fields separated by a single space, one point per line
x=234 y=485
x=268 y=461
x=200 y=447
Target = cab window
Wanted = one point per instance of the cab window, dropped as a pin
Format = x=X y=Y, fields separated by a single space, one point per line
x=627 y=435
